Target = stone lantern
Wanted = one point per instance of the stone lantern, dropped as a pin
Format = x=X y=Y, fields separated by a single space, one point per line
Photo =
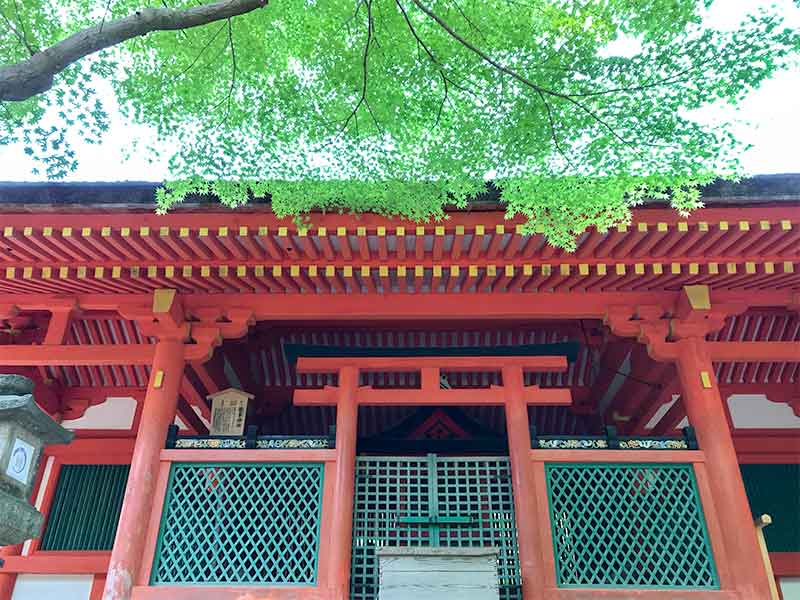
x=24 y=431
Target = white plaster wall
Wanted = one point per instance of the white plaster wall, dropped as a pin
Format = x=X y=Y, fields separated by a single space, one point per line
x=790 y=588
x=114 y=413
x=55 y=587
x=755 y=411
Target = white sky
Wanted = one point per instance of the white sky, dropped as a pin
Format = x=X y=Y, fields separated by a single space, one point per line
x=768 y=119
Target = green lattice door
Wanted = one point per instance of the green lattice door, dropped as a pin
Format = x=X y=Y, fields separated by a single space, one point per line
x=433 y=501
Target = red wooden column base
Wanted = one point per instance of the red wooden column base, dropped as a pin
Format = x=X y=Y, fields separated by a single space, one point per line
x=706 y=414
x=342 y=529
x=7 y=580
x=158 y=412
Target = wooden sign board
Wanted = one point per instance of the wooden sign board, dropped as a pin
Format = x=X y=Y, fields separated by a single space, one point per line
x=228 y=412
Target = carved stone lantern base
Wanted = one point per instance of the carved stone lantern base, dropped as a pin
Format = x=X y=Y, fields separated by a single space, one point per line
x=20 y=520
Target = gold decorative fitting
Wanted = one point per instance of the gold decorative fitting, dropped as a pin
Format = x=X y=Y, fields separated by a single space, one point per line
x=698 y=296
x=158 y=379
x=705 y=379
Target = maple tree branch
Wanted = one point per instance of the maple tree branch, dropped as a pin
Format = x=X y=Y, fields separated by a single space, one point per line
x=365 y=70
x=518 y=76
x=33 y=76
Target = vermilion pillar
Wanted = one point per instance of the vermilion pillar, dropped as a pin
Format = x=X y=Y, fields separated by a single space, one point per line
x=526 y=496
x=158 y=413
x=706 y=414
x=344 y=488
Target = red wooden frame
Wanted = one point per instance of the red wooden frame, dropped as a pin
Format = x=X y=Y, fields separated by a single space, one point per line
x=430 y=392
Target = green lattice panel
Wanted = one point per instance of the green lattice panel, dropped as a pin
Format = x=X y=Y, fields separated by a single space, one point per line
x=390 y=491
x=240 y=523
x=629 y=526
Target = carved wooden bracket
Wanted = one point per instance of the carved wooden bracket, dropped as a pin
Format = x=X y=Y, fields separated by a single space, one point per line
x=202 y=330
x=660 y=327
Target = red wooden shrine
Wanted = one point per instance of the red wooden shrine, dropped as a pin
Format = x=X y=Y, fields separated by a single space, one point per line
x=673 y=317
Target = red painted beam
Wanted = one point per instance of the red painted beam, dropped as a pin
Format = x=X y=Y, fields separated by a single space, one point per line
x=559 y=305
x=76 y=355
x=785 y=564
x=754 y=351
x=493 y=396
x=132 y=354
x=58 y=563
x=758 y=448
x=530 y=364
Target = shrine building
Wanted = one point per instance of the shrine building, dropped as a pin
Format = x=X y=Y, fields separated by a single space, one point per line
x=267 y=411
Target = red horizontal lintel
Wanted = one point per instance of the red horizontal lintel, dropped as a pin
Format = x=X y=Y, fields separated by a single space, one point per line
x=530 y=364
x=57 y=563
x=493 y=396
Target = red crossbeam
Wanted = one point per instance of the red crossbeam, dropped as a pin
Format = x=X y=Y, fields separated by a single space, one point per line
x=76 y=355
x=454 y=364
x=430 y=392
x=493 y=396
